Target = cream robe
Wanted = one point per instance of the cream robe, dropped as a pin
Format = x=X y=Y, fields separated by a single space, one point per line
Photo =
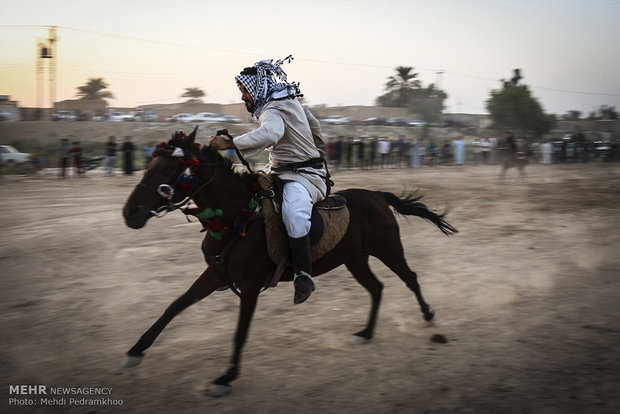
x=291 y=134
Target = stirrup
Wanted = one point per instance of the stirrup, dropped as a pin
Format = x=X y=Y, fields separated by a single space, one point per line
x=304 y=286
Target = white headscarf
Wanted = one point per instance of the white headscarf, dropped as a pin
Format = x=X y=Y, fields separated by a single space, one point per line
x=261 y=82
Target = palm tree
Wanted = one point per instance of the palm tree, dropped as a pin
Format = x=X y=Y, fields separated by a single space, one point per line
x=94 y=90
x=403 y=79
x=194 y=94
x=399 y=87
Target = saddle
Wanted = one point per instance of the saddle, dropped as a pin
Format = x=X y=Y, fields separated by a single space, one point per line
x=330 y=220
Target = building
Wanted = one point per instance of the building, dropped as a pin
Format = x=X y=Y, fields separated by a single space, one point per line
x=9 y=111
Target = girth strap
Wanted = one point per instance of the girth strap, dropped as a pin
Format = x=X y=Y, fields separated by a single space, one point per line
x=218 y=261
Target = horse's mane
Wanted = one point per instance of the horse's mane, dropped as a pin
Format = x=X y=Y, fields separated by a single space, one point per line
x=205 y=154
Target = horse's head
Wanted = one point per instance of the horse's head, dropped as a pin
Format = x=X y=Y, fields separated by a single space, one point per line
x=165 y=168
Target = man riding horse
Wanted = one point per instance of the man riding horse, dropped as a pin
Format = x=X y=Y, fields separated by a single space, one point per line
x=293 y=136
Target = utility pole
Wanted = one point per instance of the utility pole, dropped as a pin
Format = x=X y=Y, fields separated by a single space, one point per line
x=439 y=74
x=46 y=50
x=51 y=41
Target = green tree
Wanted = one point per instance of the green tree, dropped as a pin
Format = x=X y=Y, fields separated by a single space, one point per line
x=427 y=103
x=405 y=90
x=94 y=89
x=572 y=115
x=604 y=112
x=399 y=88
x=194 y=94
x=513 y=107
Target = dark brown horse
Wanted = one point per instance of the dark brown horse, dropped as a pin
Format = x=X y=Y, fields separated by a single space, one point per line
x=242 y=263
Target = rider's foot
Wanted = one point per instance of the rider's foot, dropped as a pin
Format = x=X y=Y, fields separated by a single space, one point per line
x=304 y=286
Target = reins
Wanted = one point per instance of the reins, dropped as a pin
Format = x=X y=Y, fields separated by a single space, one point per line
x=225 y=133
x=161 y=190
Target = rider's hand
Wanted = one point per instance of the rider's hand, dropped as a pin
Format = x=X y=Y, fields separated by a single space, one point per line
x=220 y=142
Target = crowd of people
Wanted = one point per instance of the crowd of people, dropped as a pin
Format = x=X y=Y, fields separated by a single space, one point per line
x=380 y=152
x=363 y=153
x=74 y=155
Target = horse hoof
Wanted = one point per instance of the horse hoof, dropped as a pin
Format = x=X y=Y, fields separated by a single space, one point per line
x=217 y=390
x=358 y=340
x=132 y=360
x=428 y=316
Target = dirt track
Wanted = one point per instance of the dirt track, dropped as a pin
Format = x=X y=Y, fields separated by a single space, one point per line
x=526 y=295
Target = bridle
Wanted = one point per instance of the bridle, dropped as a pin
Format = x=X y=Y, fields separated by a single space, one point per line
x=166 y=191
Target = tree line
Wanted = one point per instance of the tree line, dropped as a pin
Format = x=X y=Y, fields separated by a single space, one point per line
x=511 y=107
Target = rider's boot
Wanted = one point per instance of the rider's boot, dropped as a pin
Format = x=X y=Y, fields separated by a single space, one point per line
x=302 y=260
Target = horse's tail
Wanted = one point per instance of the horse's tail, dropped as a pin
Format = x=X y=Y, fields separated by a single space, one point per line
x=410 y=205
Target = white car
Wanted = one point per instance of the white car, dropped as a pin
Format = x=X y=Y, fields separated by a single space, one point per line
x=336 y=120
x=119 y=117
x=64 y=116
x=181 y=118
x=209 y=117
x=10 y=156
x=415 y=123
x=232 y=119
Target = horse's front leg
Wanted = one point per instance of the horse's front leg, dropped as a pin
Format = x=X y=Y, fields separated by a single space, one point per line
x=202 y=287
x=249 y=297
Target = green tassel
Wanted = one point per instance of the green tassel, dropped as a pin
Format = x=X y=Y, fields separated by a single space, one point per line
x=217 y=235
x=253 y=204
x=209 y=213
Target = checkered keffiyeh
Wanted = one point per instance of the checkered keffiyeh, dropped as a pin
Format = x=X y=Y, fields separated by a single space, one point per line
x=262 y=83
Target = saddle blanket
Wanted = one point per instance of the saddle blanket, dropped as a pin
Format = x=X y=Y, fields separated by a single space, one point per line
x=330 y=221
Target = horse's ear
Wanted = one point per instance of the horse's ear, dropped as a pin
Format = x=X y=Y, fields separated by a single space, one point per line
x=191 y=137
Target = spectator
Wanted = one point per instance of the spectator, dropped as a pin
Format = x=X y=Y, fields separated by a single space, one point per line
x=110 y=152
x=78 y=161
x=445 y=153
x=63 y=157
x=128 y=149
x=147 y=152
x=361 y=156
x=372 y=151
x=416 y=153
x=459 y=150
x=36 y=159
x=384 y=151
x=431 y=152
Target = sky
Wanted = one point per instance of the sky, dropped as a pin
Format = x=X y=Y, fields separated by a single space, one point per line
x=344 y=51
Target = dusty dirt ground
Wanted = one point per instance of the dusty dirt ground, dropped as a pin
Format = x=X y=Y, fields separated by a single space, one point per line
x=527 y=296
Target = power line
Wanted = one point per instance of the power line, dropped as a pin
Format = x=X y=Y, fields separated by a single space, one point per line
x=319 y=61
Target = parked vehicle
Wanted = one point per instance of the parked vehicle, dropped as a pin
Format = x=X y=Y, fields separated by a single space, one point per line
x=336 y=120
x=208 y=117
x=64 y=116
x=396 y=122
x=6 y=116
x=10 y=156
x=374 y=120
x=90 y=163
x=148 y=115
x=183 y=117
x=416 y=123
x=119 y=117
x=232 y=119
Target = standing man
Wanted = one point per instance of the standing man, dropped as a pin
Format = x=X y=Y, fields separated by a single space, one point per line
x=147 y=152
x=293 y=136
x=63 y=157
x=128 y=149
x=459 y=150
x=110 y=152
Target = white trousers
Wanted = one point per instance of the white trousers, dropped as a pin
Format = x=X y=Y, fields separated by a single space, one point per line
x=296 y=209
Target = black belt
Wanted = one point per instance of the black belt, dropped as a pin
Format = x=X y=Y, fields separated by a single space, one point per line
x=316 y=163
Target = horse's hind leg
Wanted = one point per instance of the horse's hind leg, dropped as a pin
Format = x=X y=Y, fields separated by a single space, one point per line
x=202 y=287
x=397 y=264
x=362 y=273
